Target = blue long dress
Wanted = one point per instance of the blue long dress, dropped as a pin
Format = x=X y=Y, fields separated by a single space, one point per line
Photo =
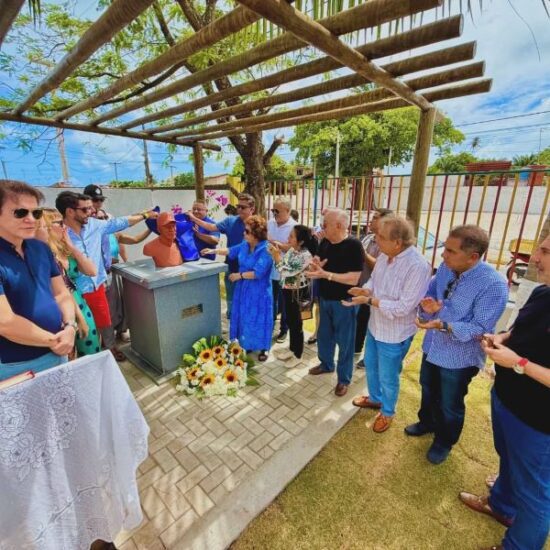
x=252 y=309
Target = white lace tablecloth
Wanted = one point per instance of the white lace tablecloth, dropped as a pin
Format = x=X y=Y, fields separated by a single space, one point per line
x=71 y=440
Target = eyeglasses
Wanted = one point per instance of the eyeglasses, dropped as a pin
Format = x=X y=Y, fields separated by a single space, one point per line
x=274 y=211
x=451 y=287
x=21 y=213
x=59 y=223
x=242 y=206
x=84 y=208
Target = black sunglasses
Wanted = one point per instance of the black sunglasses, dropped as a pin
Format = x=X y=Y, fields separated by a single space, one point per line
x=60 y=223
x=451 y=287
x=21 y=213
x=84 y=208
x=274 y=211
x=242 y=206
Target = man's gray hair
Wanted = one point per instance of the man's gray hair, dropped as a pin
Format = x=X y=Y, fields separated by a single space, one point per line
x=342 y=216
x=400 y=229
x=472 y=238
x=284 y=202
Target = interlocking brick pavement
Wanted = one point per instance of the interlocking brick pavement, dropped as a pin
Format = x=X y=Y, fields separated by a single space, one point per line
x=202 y=452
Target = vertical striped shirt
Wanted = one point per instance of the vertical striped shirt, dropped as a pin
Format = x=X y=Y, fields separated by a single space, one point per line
x=399 y=284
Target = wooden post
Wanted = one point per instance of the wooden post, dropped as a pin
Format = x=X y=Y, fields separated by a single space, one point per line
x=420 y=165
x=199 y=170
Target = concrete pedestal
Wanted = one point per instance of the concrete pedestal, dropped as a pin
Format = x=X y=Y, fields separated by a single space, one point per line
x=168 y=309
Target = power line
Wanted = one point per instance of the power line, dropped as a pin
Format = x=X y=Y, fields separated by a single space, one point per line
x=502 y=118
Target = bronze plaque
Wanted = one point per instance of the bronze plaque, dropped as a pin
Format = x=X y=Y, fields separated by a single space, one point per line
x=191 y=310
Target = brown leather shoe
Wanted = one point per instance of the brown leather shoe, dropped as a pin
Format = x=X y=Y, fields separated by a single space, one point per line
x=318 y=370
x=340 y=390
x=381 y=423
x=481 y=504
x=364 y=402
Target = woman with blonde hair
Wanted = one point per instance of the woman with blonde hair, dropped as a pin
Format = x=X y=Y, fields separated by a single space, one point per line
x=70 y=261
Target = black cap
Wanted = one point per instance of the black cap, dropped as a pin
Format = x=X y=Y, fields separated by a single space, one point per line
x=94 y=191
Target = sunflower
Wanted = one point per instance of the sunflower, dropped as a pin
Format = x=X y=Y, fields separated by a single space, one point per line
x=230 y=376
x=207 y=380
x=206 y=355
x=193 y=374
x=239 y=363
x=220 y=362
x=236 y=350
x=218 y=350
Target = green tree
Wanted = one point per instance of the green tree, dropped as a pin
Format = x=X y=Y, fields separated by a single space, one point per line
x=185 y=179
x=519 y=161
x=449 y=163
x=365 y=141
x=127 y=183
x=277 y=169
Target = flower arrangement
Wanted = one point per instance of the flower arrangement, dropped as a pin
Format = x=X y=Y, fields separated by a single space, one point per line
x=216 y=367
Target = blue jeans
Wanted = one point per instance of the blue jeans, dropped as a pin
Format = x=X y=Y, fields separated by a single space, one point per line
x=44 y=362
x=228 y=293
x=337 y=326
x=279 y=305
x=383 y=363
x=522 y=490
x=442 y=406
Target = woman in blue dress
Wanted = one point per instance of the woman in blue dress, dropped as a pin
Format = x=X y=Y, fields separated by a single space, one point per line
x=252 y=311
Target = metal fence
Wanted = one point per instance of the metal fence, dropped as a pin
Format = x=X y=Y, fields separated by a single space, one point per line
x=511 y=206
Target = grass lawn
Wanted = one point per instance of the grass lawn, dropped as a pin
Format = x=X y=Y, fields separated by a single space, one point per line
x=378 y=491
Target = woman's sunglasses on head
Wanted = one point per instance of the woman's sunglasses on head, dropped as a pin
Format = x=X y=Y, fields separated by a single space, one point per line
x=21 y=213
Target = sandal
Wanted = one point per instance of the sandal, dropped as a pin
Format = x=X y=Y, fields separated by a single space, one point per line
x=312 y=340
x=118 y=355
x=262 y=356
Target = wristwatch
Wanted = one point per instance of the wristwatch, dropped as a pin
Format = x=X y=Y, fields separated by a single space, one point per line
x=73 y=324
x=444 y=327
x=519 y=367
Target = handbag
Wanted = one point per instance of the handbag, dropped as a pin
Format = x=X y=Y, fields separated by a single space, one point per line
x=306 y=302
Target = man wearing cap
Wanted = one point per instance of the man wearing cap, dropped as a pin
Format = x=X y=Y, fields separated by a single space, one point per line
x=87 y=234
x=164 y=249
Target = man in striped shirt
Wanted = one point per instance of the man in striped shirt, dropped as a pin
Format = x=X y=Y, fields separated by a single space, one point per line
x=398 y=282
x=465 y=300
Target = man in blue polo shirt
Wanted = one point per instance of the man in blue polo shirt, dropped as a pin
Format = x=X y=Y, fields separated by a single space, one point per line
x=87 y=234
x=37 y=316
x=233 y=227
x=203 y=237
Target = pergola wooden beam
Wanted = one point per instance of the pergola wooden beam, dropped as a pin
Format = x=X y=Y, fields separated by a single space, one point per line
x=10 y=10
x=10 y=117
x=416 y=38
x=371 y=13
x=478 y=87
x=473 y=70
x=219 y=29
x=115 y=18
x=287 y=17
x=431 y=60
x=458 y=74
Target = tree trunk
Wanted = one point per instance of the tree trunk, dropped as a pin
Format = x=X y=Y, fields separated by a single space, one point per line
x=199 y=171
x=254 y=170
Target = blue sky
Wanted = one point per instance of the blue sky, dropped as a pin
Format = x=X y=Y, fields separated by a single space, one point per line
x=521 y=87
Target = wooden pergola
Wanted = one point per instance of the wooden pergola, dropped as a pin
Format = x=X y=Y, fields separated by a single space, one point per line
x=392 y=88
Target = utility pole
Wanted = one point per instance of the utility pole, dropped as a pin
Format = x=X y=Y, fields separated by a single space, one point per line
x=148 y=177
x=62 y=156
x=4 y=169
x=171 y=172
x=337 y=167
x=115 y=164
x=389 y=159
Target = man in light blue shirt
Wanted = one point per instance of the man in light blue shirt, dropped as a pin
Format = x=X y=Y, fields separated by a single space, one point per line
x=465 y=299
x=87 y=234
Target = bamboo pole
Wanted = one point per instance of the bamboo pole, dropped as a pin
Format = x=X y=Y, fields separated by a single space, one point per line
x=115 y=18
x=10 y=10
x=420 y=166
x=422 y=36
x=458 y=74
x=317 y=35
x=477 y=87
x=369 y=14
x=205 y=37
x=105 y=131
x=400 y=68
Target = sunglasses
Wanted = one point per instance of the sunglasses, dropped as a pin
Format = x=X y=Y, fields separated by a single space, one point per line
x=59 y=223
x=242 y=206
x=84 y=208
x=451 y=287
x=21 y=213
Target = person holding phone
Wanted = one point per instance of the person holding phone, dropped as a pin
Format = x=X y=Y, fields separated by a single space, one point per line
x=520 y=411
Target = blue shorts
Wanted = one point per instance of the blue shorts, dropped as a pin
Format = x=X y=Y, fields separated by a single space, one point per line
x=44 y=362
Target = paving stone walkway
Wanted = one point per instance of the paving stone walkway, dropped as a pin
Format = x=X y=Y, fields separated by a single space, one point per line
x=215 y=464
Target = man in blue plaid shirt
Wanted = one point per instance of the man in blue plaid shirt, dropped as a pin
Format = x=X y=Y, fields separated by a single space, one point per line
x=465 y=299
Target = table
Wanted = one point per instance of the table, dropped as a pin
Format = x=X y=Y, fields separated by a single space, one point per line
x=71 y=440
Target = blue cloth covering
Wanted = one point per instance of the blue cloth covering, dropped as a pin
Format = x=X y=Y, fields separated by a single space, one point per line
x=201 y=244
x=252 y=307
x=185 y=238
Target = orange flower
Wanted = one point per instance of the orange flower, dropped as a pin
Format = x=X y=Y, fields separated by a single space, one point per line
x=207 y=380
x=192 y=374
x=239 y=363
x=206 y=355
x=236 y=350
x=220 y=362
x=230 y=376
x=218 y=350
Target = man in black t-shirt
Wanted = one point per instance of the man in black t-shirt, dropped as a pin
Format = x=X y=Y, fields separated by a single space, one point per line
x=338 y=267
x=520 y=497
